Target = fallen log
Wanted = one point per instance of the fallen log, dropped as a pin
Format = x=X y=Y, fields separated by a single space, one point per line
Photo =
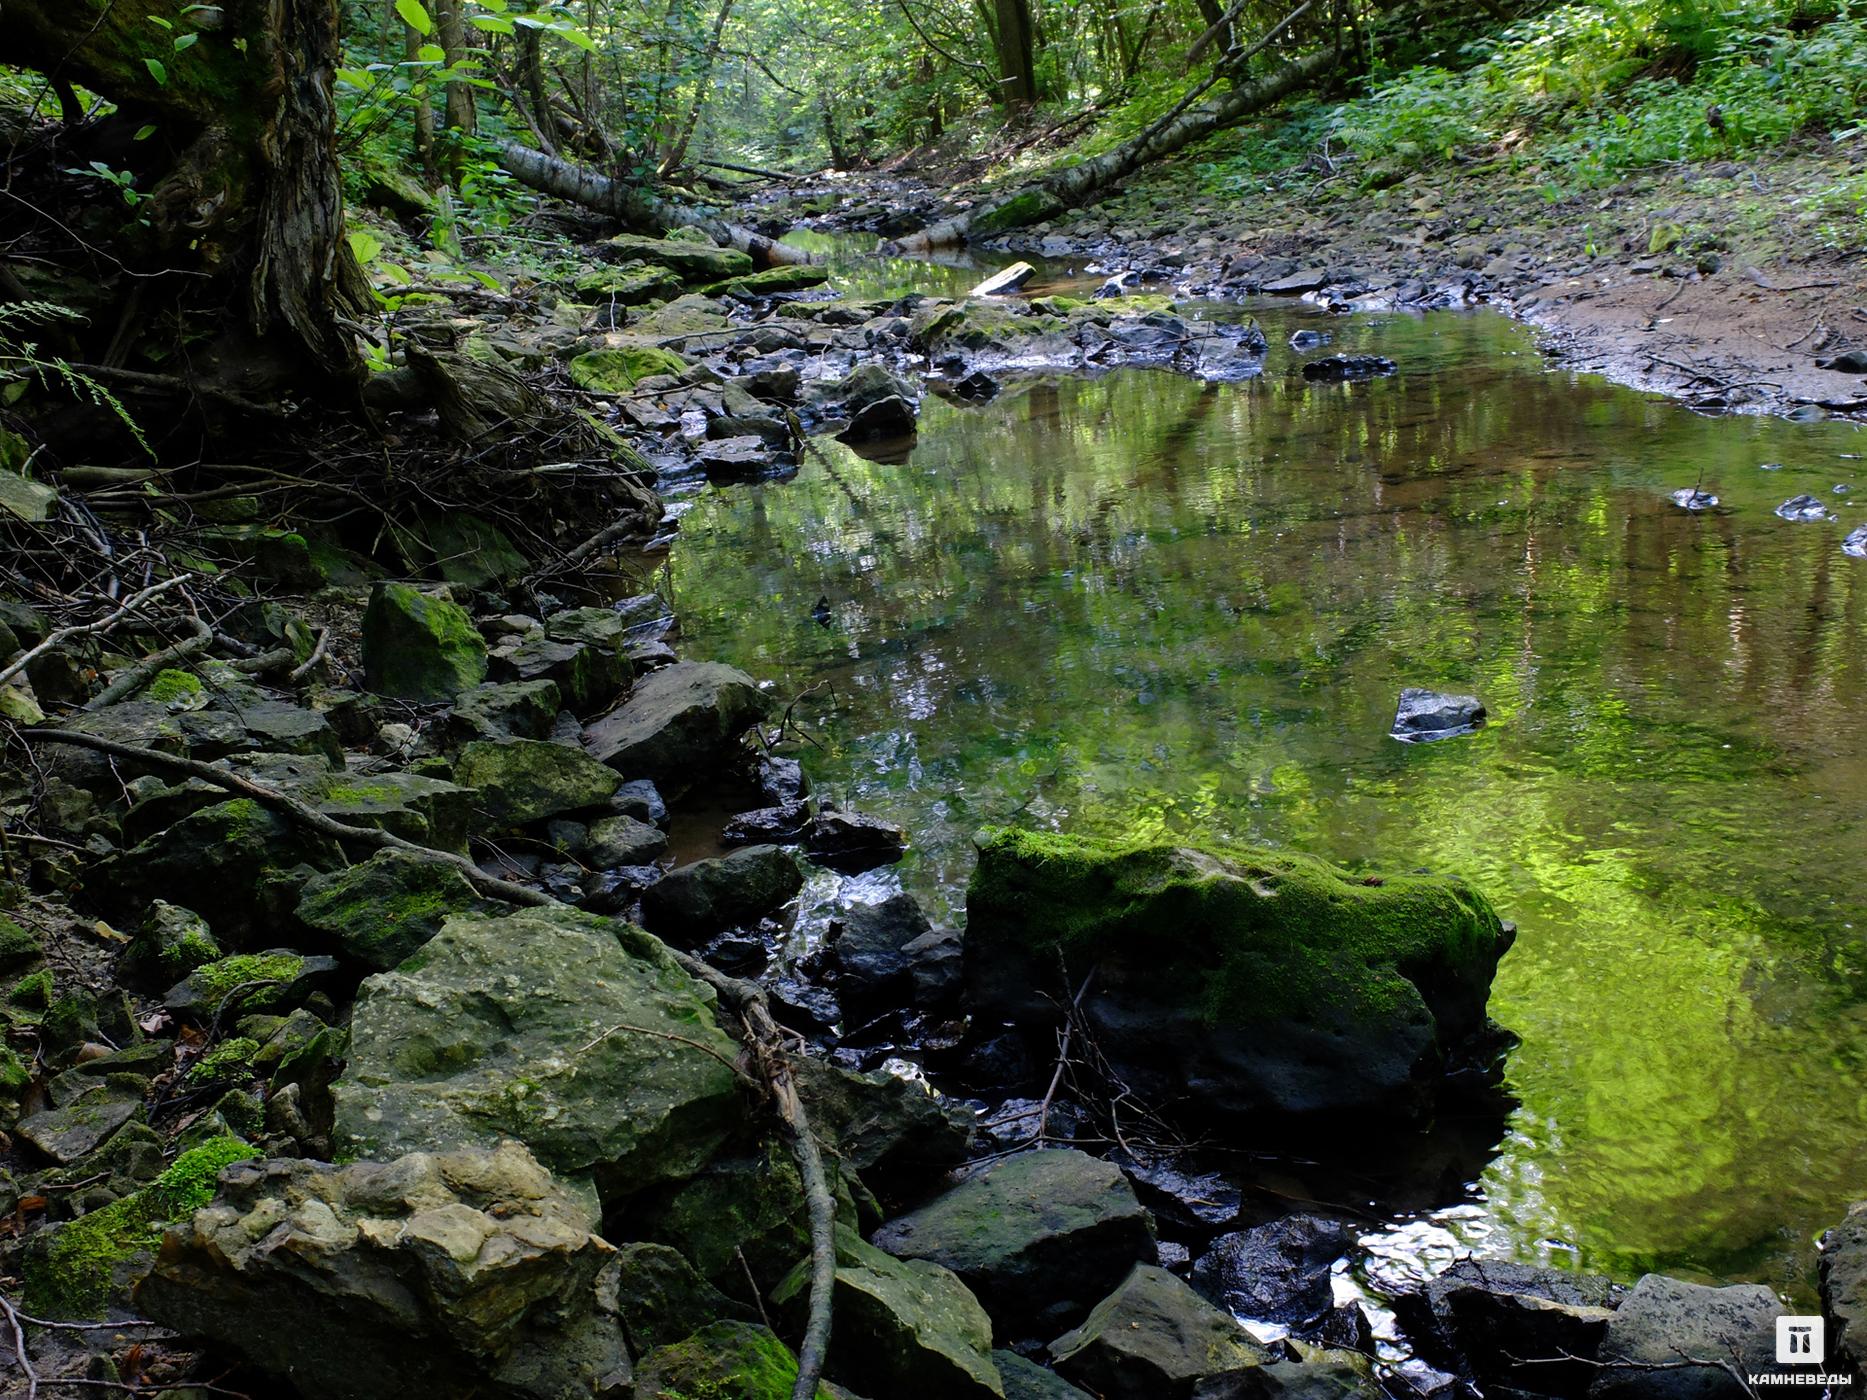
x=636 y=206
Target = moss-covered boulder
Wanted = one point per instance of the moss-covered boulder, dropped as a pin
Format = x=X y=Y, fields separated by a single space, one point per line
x=628 y=285
x=724 y=1359
x=662 y=1299
x=379 y=912
x=171 y=943
x=275 y=980
x=589 y=678
x=81 y=1123
x=427 y=811
x=578 y=1036
x=1040 y=1237
x=692 y=262
x=618 y=370
x=516 y=781
x=721 y=892
x=892 y=1132
x=905 y=1328
x=790 y=277
x=506 y=710
x=84 y=1267
x=1154 y=1338
x=678 y=721
x=419 y=647
x=1241 y=982
x=471 y=551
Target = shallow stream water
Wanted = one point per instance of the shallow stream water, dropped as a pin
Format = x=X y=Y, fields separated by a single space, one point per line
x=1137 y=604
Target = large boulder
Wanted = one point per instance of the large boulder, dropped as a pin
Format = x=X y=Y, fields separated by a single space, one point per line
x=727 y=1358
x=578 y=1036
x=504 y=710
x=449 y=1273
x=888 y=953
x=662 y=1299
x=417 y=646
x=892 y=1132
x=1154 y=1338
x=678 y=720
x=905 y=1328
x=519 y=781
x=723 y=892
x=692 y=262
x=1277 y=1272
x=1497 y=1323
x=1243 y=983
x=1665 y=1325
x=379 y=912
x=1040 y=1236
x=1844 y=1291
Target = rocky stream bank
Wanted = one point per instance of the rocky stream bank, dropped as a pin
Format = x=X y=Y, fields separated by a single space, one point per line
x=365 y=1037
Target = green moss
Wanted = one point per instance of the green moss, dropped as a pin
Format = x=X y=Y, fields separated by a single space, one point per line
x=17 y=947
x=216 y=980
x=34 y=989
x=1030 y=207
x=228 y=1061
x=723 y=1361
x=71 y=1275
x=171 y=686
x=617 y=371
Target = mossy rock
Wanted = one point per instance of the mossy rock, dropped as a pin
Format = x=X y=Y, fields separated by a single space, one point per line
x=470 y=551
x=274 y=980
x=379 y=912
x=629 y=285
x=723 y=1361
x=662 y=1299
x=518 y=781
x=419 y=647
x=772 y=281
x=227 y=1063
x=618 y=371
x=692 y=262
x=1267 y=980
x=171 y=943
x=18 y=948
x=177 y=689
x=79 y=1269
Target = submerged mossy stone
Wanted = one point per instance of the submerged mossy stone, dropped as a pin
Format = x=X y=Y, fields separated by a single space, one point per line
x=1154 y=1338
x=1243 y=982
x=517 y=781
x=906 y=1329
x=578 y=1036
x=728 y=1360
x=79 y=1269
x=381 y=911
x=692 y=262
x=678 y=721
x=1040 y=1237
x=618 y=371
x=722 y=892
x=618 y=841
x=662 y=1299
x=418 y=647
x=469 y=1272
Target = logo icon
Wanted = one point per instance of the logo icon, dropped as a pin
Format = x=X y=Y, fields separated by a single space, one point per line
x=1799 y=1341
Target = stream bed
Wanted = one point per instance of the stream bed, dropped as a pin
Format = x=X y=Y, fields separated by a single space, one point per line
x=1137 y=604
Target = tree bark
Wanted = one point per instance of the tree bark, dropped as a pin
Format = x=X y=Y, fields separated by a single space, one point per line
x=451 y=28
x=677 y=148
x=423 y=108
x=635 y=206
x=1070 y=187
x=1017 y=56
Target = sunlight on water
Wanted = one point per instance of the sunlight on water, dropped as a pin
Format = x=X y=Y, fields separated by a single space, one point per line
x=1137 y=604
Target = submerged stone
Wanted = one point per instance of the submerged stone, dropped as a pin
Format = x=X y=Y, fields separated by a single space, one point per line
x=1424 y=715
x=1802 y=509
x=1348 y=368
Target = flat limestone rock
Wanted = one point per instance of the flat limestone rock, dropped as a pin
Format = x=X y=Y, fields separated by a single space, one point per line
x=678 y=720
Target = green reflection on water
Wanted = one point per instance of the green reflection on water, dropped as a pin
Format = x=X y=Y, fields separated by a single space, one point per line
x=1143 y=605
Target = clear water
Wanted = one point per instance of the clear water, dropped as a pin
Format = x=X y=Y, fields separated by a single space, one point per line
x=1137 y=604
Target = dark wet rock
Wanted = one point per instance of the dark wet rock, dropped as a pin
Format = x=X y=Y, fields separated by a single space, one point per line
x=733 y=1358
x=1309 y=340
x=1191 y=1200
x=1019 y=1122
x=505 y=710
x=742 y=1210
x=746 y=457
x=1847 y=362
x=518 y=781
x=1277 y=1272
x=783 y=824
x=1424 y=715
x=977 y=387
x=1313 y=1374
x=1348 y=1327
x=417 y=646
x=1498 y=1323
x=588 y=678
x=909 y=1329
x=1039 y=1236
x=1691 y=498
x=513 y=1027
x=1239 y=1012
x=1153 y=1338
x=709 y=896
x=1856 y=542
x=1664 y=1321
x=851 y=842
x=1844 y=1291
x=253 y=726
x=427 y=811
x=463 y=1272
x=1309 y=279
x=1026 y=1380
x=892 y=417
x=1802 y=509
x=171 y=943
x=379 y=912
x=661 y=1298
x=1346 y=368
x=641 y=799
x=679 y=721
x=889 y=949
x=623 y=841
x=275 y=980
x=612 y=892
x=893 y=1132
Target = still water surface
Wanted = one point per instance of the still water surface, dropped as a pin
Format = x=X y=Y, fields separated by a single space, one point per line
x=1137 y=604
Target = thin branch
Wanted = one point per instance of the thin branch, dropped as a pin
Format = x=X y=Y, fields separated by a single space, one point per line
x=90 y=629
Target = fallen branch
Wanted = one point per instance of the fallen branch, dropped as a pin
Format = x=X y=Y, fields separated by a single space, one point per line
x=90 y=629
x=146 y=670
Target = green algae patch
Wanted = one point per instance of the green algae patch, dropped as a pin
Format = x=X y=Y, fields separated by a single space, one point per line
x=225 y=1063
x=79 y=1265
x=172 y=687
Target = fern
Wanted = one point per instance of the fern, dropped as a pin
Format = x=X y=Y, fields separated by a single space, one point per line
x=21 y=359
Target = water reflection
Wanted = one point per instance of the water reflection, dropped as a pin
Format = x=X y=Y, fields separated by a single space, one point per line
x=1138 y=604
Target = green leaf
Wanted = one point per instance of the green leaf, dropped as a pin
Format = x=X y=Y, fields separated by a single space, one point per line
x=355 y=77
x=577 y=37
x=414 y=16
x=157 y=71
x=186 y=41
x=498 y=7
x=492 y=24
x=143 y=133
x=431 y=53
x=394 y=272
x=157 y=19
x=365 y=245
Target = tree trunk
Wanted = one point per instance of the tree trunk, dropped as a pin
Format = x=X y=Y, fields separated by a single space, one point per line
x=252 y=192
x=451 y=28
x=531 y=82
x=637 y=207
x=1070 y=187
x=1017 y=59
x=677 y=148
x=423 y=109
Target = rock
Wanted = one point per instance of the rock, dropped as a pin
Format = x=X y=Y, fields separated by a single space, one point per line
x=1316 y=1374
x=1691 y=498
x=692 y=262
x=427 y=811
x=452 y=1273
x=87 y=1267
x=276 y=980
x=519 y=781
x=850 y=843
x=86 y=1122
x=724 y=892
x=470 y=551
x=588 y=678
x=617 y=841
x=1856 y=542
x=1425 y=715
x=782 y=824
x=772 y=281
x=679 y=721
x=1312 y=279
x=1496 y=1323
x=1039 y=1236
x=1309 y=340
x=1347 y=368
x=620 y=370
x=1277 y=1272
x=893 y=1132
x=907 y=1329
x=1004 y=281
x=1026 y=1380
x=889 y=949
x=743 y=1211
x=419 y=647
x=1844 y=1291
x=1288 y=984
x=1193 y=1201
x=736 y=1359
x=976 y=387
x=639 y=798
x=1847 y=362
x=892 y=417
x=507 y=710
x=1665 y=1321
x=746 y=457
x=513 y=1027
x=1802 y=509
x=662 y=1299
x=171 y=943
x=379 y=912
x=1153 y=1338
